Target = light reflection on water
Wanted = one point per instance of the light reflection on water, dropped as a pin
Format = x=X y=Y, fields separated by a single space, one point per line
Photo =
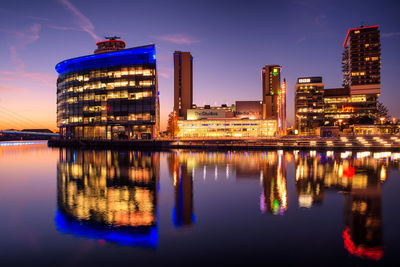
x=114 y=197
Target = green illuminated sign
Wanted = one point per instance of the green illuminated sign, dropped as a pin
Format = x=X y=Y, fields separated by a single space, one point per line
x=275 y=72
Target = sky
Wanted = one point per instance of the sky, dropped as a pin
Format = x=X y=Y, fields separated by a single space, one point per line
x=230 y=42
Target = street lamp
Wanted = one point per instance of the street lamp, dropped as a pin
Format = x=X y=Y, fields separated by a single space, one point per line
x=340 y=124
x=382 y=119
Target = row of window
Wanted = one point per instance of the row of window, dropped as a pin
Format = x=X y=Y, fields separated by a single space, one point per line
x=130 y=117
x=139 y=70
x=110 y=95
x=107 y=86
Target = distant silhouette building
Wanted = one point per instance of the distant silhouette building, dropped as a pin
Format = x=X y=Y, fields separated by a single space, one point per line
x=110 y=94
x=183 y=83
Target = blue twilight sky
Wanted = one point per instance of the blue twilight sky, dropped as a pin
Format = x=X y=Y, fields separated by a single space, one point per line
x=230 y=41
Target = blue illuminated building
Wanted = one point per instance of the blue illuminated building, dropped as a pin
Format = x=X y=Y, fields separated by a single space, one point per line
x=111 y=94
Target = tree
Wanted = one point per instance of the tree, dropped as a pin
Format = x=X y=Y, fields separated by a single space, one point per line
x=172 y=126
x=382 y=111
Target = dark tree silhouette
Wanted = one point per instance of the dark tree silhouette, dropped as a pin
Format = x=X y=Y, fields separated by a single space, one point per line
x=383 y=111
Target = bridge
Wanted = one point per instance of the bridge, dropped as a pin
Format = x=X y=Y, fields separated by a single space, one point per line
x=25 y=135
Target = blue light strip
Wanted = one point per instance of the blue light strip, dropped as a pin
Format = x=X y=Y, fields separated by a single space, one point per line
x=34 y=133
x=116 y=235
x=19 y=143
x=131 y=56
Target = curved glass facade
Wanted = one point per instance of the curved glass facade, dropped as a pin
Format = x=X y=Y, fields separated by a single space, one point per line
x=109 y=96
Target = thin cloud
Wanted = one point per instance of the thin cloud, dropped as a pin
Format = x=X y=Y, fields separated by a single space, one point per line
x=16 y=59
x=63 y=28
x=318 y=19
x=164 y=74
x=25 y=37
x=84 y=23
x=15 y=14
x=390 y=34
x=36 y=18
x=10 y=89
x=177 y=39
x=42 y=79
x=301 y=39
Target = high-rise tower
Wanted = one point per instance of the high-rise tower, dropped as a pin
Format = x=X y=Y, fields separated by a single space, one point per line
x=183 y=83
x=282 y=109
x=361 y=60
x=271 y=80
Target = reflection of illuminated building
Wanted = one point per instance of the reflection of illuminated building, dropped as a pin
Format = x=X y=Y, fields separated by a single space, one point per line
x=269 y=167
x=274 y=194
x=309 y=181
x=359 y=176
x=108 y=195
x=183 y=184
x=363 y=215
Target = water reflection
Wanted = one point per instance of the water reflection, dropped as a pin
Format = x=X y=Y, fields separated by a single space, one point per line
x=359 y=177
x=108 y=196
x=182 y=214
x=112 y=196
x=273 y=175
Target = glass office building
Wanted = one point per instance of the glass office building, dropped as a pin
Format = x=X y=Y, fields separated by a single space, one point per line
x=111 y=94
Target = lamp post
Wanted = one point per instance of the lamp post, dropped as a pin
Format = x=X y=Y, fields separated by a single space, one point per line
x=340 y=124
x=382 y=119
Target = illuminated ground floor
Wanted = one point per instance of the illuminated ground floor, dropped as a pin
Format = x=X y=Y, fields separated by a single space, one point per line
x=227 y=128
x=146 y=131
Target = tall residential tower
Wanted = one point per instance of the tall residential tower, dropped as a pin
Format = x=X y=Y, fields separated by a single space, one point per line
x=183 y=83
x=361 y=61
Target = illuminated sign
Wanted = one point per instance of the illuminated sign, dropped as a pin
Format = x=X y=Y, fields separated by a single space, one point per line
x=317 y=79
x=197 y=114
x=305 y=80
x=275 y=72
x=249 y=109
x=347 y=109
x=358 y=99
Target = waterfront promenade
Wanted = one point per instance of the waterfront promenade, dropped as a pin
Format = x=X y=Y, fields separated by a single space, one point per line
x=320 y=143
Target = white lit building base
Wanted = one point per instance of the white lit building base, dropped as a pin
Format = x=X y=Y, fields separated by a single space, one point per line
x=226 y=128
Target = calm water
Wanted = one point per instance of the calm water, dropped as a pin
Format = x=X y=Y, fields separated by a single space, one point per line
x=66 y=207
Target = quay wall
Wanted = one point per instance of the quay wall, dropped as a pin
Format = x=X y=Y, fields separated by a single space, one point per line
x=341 y=143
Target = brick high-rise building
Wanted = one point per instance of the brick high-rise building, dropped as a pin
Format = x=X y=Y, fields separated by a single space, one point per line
x=362 y=60
x=183 y=83
x=271 y=81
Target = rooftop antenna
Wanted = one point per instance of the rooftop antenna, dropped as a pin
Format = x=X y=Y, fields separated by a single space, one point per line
x=112 y=37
